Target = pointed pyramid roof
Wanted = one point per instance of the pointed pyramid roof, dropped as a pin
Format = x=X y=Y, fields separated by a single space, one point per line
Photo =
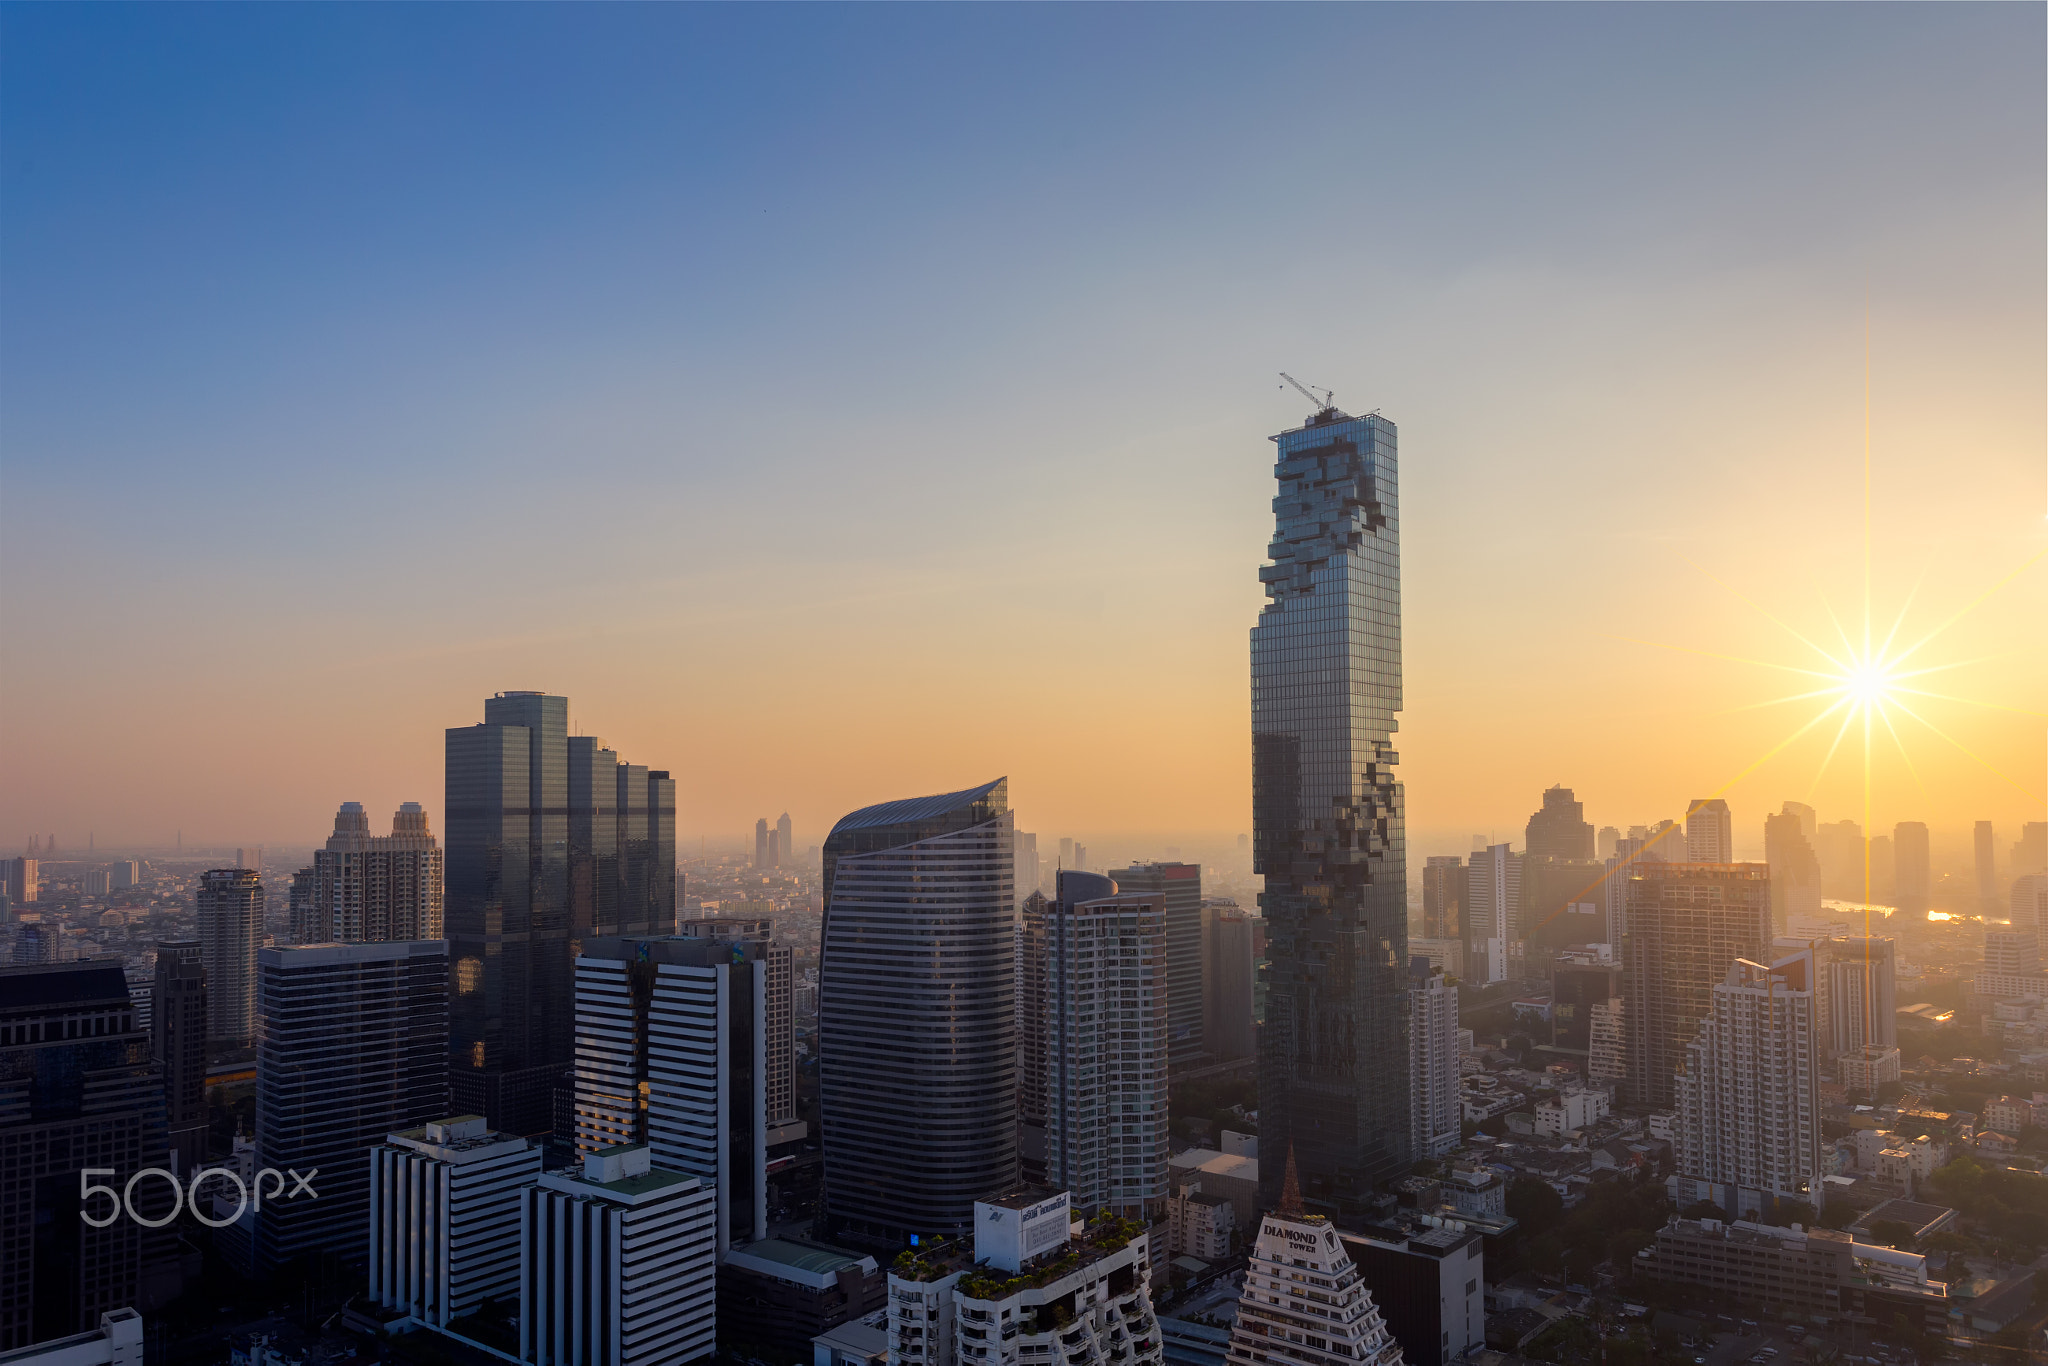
x=1290 y=1188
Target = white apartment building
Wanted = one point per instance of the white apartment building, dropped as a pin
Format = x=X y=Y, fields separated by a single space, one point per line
x=1435 y=1110
x=444 y=1217
x=618 y=1265
x=1199 y=1225
x=1304 y=1302
x=1038 y=1288
x=1493 y=896
x=1608 y=1061
x=1477 y=1191
x=1749 y=1124
x=1571 y=1110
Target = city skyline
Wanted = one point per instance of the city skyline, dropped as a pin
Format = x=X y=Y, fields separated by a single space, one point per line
x=1607 y=403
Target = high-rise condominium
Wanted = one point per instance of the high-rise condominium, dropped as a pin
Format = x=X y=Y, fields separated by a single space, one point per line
x=229 y=906
x=354 y=1047
x=1560 y=829
x=1443 y=897
x=1687 y=923
x=371 y=888
x=1986 y=848
x=1433 y=1107
x=1795 y=869
x=177 y=1039
x=1231 y=982
x=670 y=1052
x=1749 y=1117
x=1855 y=982
x=1709 y=831
x=1178 y=889
x=778 y=1052
x=1327 y=813
x=1106 y=1005
x=550 y=839
x=1493 y=899
x=80 y=1091
x=2030 y=851
x=1912 y=878
x=917 y=1032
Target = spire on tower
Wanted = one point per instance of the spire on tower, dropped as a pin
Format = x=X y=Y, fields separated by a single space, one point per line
x=1290 y=1188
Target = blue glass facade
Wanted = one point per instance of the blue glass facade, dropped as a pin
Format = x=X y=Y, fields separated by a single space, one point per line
x=1327 y=815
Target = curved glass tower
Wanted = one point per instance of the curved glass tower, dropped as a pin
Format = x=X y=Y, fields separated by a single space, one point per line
x=1326 y=815
x=917 y=1041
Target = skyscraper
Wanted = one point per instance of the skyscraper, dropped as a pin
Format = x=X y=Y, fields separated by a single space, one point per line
x=177 y=1040
x=671 y=1037
x=1795 y=869
x=1434 y=1110
x=21 y=877
x=1443 y=897
x=2030 y=850
x=550 y=838
x=1841 y=847
x=1563 y=903
x=1709 y=831
x=1856 y=979
x=917 y=1032
x=1608 y=837
x=1230 y=981
x=1912 y=877
x=1107 y=1003
x=1327 y=813
x=778 y=1051
x=77 y=1090
x=1493 y=900
x=229 y=906
x=1749 y=1117
x=1027 y=873
x=1178 y=889
x=1560 y=829
x=1989 y=902
x=372 y=888
x=784 y=840
x=1687 y=923
x=354 y=1047
x=761 y=842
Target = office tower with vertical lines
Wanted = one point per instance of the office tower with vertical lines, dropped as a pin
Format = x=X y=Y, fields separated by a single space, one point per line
x=1687 y=924
x=1327 y=814
x=671 y=1051
x=229 y=909
x=444 y=1217
x=354 y=1047
x=779 y=1012
x=1178 y=887
x=550 y=838
x=1108 y=1012
x=917 y=1029
x=177 y=1039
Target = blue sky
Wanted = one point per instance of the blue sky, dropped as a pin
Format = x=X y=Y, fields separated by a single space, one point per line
x=781 y=381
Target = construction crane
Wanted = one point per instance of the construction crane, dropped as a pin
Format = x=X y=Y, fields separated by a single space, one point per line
x=1310 y=394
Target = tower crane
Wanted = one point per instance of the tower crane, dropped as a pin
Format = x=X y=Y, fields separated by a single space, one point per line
x=1308 y=393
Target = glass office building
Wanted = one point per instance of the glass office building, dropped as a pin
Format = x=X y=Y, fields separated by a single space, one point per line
x=550 y=839
x=917 y=1032
x=1327 y=816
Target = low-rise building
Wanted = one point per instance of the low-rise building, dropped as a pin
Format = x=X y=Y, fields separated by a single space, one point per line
x=117 y=1341
x=1199 y=1225
x=1476 y=1190
x=1572 y=1110
x=1035 y=1288
x=1429 y=1280
x=779 y=1294
x=1233 y=1176
x=1816 y=1270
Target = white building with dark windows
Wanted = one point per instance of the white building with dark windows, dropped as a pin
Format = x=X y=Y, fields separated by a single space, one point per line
x=618 y=1265
x=1434 y=1108
x=444 y=1217
x=1493 y=897
x=371 y=887
x=1304 y=1302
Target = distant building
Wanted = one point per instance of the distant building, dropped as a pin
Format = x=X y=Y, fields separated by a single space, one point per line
x=229 y=904
x=550 y=838
x=780 y=1046
x=1493 y=899
x=2030 y=851
x=1229 y=1025
x=917 y=1074
x=1687 y=923
x=1560 y=829
x=1749 y=1116
x=1443 y=897
x=1563 y=903
x=444 y=1217
x=1912 y=880
x=372 y=888
x=761 y=843
x=1607 y=1046
x=1575 y=989
x=1178 y=889
x=354 y=1047
x=1795 y=869
x=1572 y=1109
x=125 y=873
x=1815 y=1270
x=618 y=1265
x=1107 y=1006
x=177 y=1039
x=1842 y=851
x=1433 y=1103
x=1275 y=1326
x=1605 y=842
x=1986 y=849
x=785 y=840
x=80 y=1091
x=1709 y=832
x=1028 y=875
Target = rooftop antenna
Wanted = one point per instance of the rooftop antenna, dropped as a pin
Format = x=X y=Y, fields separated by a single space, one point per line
x=1323 y=403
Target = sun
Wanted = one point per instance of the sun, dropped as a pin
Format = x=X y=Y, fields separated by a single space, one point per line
x=1867 y=684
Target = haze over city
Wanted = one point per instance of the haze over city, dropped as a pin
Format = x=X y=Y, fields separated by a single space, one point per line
x=823 y=447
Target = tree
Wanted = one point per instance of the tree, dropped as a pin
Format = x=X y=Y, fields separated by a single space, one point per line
x=1533 y=1204
x=1703 y=1209
x=1623 y=1246
x=1892 y=1233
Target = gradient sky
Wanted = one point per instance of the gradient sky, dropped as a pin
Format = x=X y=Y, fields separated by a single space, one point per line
x=846 y=403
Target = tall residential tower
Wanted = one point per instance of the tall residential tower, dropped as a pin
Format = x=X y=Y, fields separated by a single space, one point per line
x=1327 y=814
